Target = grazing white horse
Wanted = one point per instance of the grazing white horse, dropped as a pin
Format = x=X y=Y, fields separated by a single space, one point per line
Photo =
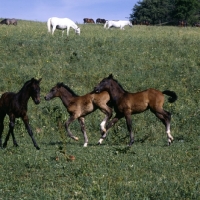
x=119 y=24
x=54 y=23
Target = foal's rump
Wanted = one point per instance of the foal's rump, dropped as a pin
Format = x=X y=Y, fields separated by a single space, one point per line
x=150 y=98
x=99 y=98
x=6 y=100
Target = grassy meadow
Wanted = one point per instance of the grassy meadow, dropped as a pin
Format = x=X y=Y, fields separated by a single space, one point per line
x=139 y=58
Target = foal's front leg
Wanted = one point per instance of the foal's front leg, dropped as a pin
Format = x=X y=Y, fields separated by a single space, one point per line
x=110 y=124
x=108 y=113
x=129 y=127
x=70 y=120
x=28 y=128
x=82 y=123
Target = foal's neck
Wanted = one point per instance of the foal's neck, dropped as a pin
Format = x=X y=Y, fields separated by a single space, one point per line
x=116 y=91
x=66 y=96
x=23 y=95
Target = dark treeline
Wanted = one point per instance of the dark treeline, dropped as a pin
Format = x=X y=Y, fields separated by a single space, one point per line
x=166 y=12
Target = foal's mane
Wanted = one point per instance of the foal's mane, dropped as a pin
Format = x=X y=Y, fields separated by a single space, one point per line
x=119 y=85
x=67 y=88
x=25 y=85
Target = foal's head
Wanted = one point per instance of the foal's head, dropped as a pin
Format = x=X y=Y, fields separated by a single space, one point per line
x=35 y=90
x=104 y=85
x=59 y=90
x=54 y=92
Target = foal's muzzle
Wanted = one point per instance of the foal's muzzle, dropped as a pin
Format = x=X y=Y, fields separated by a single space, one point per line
x=37 y=101
x=47 y=98
x=96 y=90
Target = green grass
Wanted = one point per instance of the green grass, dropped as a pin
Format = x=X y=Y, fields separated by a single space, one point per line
x=139 y=58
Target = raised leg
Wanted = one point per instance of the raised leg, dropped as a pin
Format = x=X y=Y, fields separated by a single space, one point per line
x=110 y=124
x=28 y=128
x=82 y=123
x=108 y=112
x=70 y=120
x=165 y=117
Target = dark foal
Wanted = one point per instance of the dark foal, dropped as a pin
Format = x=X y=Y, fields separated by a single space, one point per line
x=80 y=106
x=15 y=106
x=126 y=104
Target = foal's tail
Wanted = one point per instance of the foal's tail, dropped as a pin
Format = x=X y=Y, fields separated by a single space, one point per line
x=49 y=25
x=105 y=24
x=173 y=96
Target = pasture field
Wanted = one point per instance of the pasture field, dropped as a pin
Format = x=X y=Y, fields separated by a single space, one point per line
x=139 y=58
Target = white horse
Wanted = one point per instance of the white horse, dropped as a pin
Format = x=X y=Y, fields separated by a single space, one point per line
x=119 y=24
x=54 y=23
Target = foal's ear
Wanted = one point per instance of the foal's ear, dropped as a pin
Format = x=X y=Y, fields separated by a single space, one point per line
x=39 y=80
x=110 y=76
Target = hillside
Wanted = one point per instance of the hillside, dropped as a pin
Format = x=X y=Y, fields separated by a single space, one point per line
x=140 y=57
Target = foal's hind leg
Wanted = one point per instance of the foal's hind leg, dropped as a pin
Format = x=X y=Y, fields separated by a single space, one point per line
x=82 y=123
x=11 y=128
x=165 y=117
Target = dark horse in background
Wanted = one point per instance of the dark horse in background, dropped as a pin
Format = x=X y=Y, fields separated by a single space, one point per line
x=89 y=21
x=126 y=104
x=182 y=23
x=197 y=24
x=9 y=21
x=100 y=21
x=144 y=22
x=80 y=106
x=15 y=106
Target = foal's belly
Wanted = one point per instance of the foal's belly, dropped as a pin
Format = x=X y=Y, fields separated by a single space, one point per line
x=133 y=107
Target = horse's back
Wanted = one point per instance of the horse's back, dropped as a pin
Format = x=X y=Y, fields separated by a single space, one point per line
x=81 y=105
x=102 y=97
x=61 y=20
x=147 y=95
x=140 y=101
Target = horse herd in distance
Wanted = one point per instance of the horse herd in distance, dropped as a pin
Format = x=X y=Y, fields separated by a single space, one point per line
x=181 y=23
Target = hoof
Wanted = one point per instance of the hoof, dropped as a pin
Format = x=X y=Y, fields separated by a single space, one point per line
x=85 y=145
x=38 y=148
x=76 y=138
x=100 y=141
x=170 y=141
